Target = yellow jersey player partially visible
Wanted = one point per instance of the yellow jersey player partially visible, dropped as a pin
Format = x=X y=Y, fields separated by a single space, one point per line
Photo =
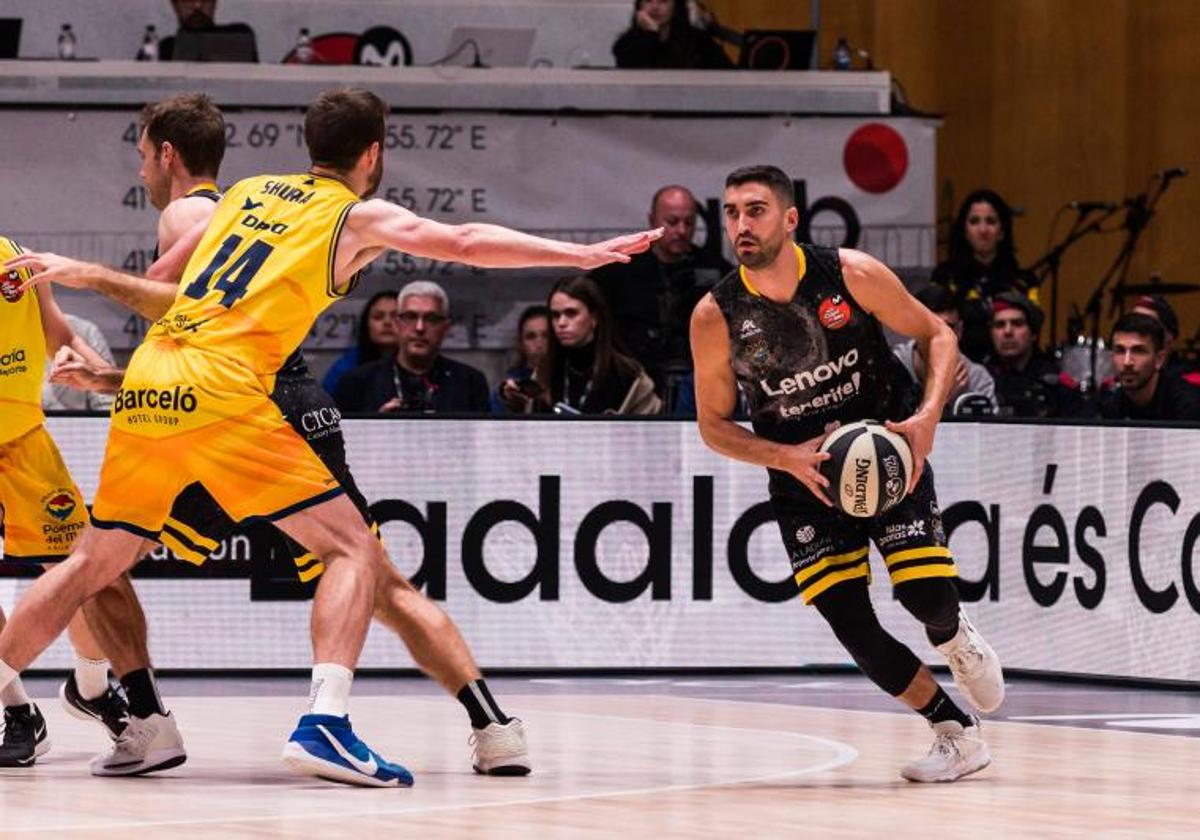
x=195 y=406
x=43 y=512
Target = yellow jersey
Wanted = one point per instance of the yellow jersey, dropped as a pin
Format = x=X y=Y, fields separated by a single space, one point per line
x=263 y=272
x=22 y=351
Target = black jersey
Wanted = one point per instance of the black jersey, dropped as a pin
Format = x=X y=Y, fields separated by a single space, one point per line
x=818 y=359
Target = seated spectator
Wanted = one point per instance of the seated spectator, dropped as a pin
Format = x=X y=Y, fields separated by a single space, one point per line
x=518 y=386
x=417 y=378
x=1028 y=381
x=199 y=16
x=661 y=36
x=1144 y=391
x=1157 y=307
x=582 y=372
x=377 y=337
x=59 y=397
x=971 y=379
x=982 y=264
x=652 y=296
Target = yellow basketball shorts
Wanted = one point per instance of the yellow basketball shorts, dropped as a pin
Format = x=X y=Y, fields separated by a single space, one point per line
x=186 y=415
x=43 y=511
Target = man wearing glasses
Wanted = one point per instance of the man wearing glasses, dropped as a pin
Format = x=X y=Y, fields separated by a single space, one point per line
x=418 y=378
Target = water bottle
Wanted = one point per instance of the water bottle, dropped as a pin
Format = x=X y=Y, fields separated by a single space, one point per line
x=149 y=49
x=66 y=43
x=842 y=57
x=304 y=48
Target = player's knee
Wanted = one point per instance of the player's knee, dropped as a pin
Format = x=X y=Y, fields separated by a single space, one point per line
x=888 y=663
x=932 y=601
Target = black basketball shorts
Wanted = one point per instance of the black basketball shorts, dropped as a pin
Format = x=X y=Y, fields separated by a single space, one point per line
x=197 y=525
x=827 y=547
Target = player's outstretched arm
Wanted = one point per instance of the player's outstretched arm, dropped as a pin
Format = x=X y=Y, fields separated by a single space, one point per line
x=148 y=298
x=878 y=290
x=379 y=224
x=716 y=401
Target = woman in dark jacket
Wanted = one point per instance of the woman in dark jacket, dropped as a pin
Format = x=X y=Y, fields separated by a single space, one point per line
x=661 y=37
x=982 y=264
x=582 y=372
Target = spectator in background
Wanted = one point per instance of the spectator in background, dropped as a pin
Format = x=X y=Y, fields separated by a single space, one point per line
x=1028 y=381
x=652 y=296
x=377 y=337
x=974 y=390
x=1144 y=391
x=197 y=16
x=417 y=378
x=58 y=397
x=670 y=34
x=982 y=264
x=582 y=372
x=1157 y=307
x=518 y=387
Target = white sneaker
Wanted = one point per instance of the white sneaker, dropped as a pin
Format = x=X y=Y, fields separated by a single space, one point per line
x=975 y=666
x=145 y=745
x=500 y=750
x=956 y=752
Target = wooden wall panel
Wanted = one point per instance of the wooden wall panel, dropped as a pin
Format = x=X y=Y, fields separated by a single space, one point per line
x=1045 y=101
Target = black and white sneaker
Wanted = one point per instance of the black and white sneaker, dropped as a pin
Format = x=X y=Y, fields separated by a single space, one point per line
x=109 y=709
x=24 y=736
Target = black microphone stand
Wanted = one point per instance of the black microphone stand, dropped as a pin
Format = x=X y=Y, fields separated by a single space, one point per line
x=1049 y=264
x=1138 y=213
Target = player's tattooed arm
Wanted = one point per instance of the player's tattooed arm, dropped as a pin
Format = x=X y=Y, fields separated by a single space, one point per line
x=716 y=401
x=379 y=224
x=878 y=290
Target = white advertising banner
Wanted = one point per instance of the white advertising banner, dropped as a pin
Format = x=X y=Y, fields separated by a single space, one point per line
x=868 y=182
x=630 y=545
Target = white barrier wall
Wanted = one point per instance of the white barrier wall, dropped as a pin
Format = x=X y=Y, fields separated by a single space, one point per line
x=628 y=544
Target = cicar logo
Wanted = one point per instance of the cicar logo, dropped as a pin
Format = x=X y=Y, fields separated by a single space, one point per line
x=834 y=312
x=10 y=287
x=60 y=504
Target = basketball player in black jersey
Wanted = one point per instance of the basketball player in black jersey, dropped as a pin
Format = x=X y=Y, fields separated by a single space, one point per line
x=181 y=145
x=797 y=329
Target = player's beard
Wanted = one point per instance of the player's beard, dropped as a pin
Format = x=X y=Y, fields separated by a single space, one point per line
x=375 y=179
x=765 y=255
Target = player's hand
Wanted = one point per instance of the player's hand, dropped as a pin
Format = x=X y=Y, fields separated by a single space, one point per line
x=49 y=268
x=918 y=431
x=394 y=404
x=803 y=460
x=619 y=249
x=71 y=369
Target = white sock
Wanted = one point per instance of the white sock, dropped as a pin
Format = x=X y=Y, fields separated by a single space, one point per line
x=12 y=693
x=91 y=677
x=330 y=693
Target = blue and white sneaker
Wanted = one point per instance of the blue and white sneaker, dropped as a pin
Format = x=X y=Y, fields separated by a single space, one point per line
x=326 y=746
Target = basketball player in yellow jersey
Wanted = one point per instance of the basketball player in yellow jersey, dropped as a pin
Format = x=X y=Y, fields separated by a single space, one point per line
x=180 y=145
x=43 y=511
x=195 y=406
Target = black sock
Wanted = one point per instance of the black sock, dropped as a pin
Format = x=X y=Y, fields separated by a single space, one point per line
x=480 y=704
x=941 y=708
x=142 y=692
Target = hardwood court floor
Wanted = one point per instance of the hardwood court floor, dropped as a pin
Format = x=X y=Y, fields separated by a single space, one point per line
x=636 y=758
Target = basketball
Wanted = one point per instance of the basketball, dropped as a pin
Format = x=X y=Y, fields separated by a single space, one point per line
x=868 y=470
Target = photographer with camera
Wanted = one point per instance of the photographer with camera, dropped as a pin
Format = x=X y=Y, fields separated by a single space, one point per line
x=418 y=378
x=518 y=387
